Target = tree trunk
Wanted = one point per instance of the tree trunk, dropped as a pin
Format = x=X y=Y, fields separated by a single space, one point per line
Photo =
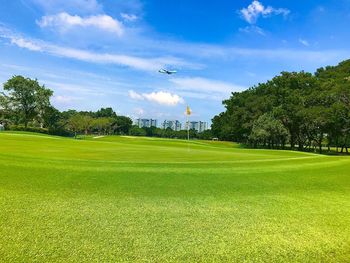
x=300 y=146
x=320 y=143
x=292 y=143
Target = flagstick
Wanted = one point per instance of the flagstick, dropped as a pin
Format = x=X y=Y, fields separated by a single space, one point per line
x=188 y=128
x=188 y=134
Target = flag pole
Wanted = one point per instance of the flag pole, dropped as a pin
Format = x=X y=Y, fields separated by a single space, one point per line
x=188 y=128
x=188 y=112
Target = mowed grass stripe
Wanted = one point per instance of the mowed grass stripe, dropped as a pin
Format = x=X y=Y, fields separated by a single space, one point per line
x=139 y=200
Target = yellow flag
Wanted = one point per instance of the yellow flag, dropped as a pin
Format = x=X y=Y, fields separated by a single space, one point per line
x=188 y=110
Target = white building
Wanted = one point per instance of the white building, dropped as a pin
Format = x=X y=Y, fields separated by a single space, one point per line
x=203 y=126
x=175 y=125
x=145 y=123
x=199 y=126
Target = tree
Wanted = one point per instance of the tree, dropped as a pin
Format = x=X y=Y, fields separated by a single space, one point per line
x=313 y=108
x=5 y=113
x=136 y=131
x=102 y=124
x=51 y=118
x=74 y=124
x=105 y=112
x=205 y=135
x=268 y=131
x=25 y=98
x=122 y=124
x=86 y=123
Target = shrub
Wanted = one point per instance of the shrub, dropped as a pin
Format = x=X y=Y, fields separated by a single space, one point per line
x=29 y=129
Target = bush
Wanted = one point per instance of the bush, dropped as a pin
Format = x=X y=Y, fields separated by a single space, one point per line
x=136 y=131
x=29 y=129
x=60 y=132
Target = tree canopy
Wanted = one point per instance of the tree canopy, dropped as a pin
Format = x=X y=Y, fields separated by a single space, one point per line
x=301 y=109
x=24 y=100
x=25 y=105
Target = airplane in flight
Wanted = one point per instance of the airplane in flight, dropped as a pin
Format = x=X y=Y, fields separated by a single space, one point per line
x=166 y=71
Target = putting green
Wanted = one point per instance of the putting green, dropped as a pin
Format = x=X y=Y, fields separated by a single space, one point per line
x=157 y=200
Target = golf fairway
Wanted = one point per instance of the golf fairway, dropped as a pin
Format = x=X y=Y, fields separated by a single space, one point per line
x=128 y=199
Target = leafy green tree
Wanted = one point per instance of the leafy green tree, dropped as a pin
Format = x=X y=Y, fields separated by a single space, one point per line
x=75 y=124
x=136 y=131
x=206 y=135
x=25 y=98
x=336 y=85
x=105 y=112
x=51 y=118
x=86 y=123
x=268 y=131
x=122 y=124
x=102 y=124
x=308 y=108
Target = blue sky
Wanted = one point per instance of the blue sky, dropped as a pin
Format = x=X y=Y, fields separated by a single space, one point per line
x=100 y=53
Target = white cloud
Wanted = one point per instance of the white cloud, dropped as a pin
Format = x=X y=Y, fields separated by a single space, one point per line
x=139 y=111
x=135 y=96
x=76 y=6
x=159 y=97
x=253 y=29
x=205 y=85
x=139 y=63
x=198 y=52
x=304 y=42
x=23 y=43
x=256 y=9
x=64 y=99
x=204 y=89
x=164 y=98
x=129 y=17
x=73 y=89
x=64 y=21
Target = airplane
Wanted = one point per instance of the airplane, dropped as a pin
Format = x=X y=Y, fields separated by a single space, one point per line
x=165 y=71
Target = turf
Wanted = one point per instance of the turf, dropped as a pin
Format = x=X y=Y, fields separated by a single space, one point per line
x=116 y=199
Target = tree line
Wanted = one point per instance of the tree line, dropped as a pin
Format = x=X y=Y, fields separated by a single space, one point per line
x=298 y=110
x=25 y=105
x=170 y=133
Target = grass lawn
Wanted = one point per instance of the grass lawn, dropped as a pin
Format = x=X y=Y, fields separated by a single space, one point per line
x=156 y=200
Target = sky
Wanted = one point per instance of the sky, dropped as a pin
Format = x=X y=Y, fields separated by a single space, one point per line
x=107 y=53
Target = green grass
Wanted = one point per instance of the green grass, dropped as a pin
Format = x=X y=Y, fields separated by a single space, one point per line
x=156 y=200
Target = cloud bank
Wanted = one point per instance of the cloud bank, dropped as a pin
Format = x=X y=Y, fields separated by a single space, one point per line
x=64 y=21
x=257 y=9
x=151 y=64
x=159 y=97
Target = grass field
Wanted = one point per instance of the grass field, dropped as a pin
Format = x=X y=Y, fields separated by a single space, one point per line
x=153 y=200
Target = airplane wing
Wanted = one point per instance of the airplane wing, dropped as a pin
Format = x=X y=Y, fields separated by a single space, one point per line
x=165 y=71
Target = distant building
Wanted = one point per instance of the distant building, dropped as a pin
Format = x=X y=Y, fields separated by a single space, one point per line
x=146 y=123
x=199 y=126
x=175 y=125
x=203 y=126
x=192 y=125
